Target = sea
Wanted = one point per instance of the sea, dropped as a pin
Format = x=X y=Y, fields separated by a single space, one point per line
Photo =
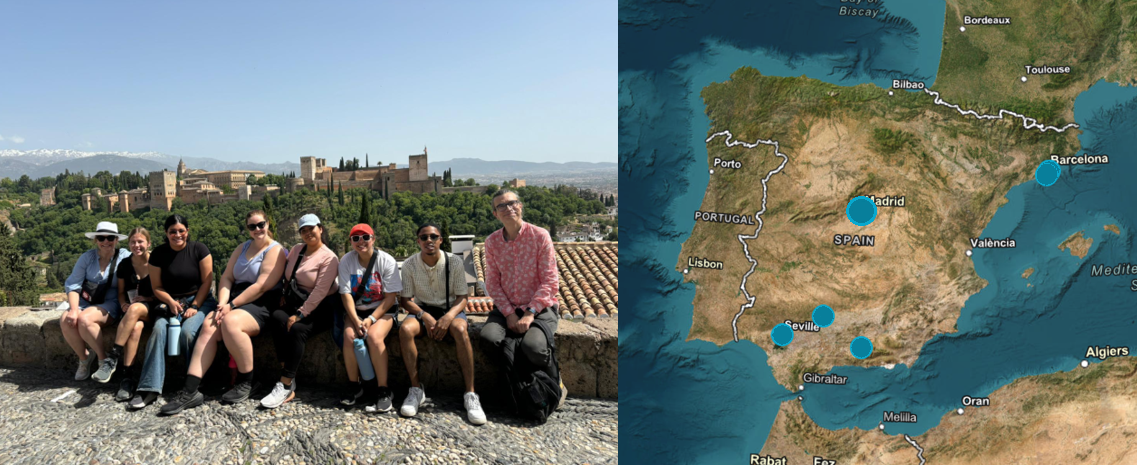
x=691 y=401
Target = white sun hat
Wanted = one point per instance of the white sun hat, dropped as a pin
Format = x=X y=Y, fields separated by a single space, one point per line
x=105 y=229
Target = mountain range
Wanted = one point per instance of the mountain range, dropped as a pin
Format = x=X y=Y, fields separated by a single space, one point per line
x=466 y=168
x=44 y=162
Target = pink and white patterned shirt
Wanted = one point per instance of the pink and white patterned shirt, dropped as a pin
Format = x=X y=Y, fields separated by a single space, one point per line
x=522 y=272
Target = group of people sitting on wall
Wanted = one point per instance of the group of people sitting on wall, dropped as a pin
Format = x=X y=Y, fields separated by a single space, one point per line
x=294 y=294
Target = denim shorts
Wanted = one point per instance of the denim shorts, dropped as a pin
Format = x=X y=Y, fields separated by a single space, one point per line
x=109 y=305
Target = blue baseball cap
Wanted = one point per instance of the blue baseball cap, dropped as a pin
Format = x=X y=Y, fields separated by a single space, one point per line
x=309 y=220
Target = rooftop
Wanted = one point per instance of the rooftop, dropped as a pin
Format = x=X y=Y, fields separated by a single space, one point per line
x=589 y=279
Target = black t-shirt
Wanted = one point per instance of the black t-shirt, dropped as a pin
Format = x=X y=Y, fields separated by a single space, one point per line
x=127 y=274
x=181 y=270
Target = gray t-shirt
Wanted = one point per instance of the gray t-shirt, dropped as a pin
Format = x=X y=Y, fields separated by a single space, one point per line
x=384 y=278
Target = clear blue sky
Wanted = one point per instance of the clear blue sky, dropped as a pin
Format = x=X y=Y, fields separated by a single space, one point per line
x=274 y=81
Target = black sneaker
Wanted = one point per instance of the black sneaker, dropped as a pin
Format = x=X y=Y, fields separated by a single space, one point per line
x=352 y=394
x=238 y=393
x=383 y=404
x=125 y=390
x=184 y=400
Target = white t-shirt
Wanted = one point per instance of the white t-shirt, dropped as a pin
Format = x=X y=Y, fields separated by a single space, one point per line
x=384 y=278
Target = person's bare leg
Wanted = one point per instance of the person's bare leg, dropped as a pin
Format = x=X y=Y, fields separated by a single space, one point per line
x=134 y=313
x=74 y=339
x=237 y=331
x=131 y=348
x=407 y=332
x=349 y=361
x=465 y=351
x=91 y=322
x=375 y=343
x=205 y=349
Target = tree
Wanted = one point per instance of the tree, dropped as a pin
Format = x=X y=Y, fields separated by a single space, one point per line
x=445 y=234
x=341 y=164
x=553 y=230
x=341 y=193
x=268 y=208
x=365 y=209
x=367 y=160
x=17 y=280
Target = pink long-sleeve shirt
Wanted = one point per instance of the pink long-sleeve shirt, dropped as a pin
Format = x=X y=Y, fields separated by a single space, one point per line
x=522 y=272
x=317 y=274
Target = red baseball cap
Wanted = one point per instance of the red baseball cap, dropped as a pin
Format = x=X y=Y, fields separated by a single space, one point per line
x=360 y=229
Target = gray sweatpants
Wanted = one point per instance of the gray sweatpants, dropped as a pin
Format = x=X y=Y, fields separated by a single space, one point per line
x=534 y=345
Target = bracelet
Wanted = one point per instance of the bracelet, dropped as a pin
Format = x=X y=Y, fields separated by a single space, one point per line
x=372 y=319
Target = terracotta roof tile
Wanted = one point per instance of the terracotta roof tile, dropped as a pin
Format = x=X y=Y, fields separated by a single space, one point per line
x=589 y=279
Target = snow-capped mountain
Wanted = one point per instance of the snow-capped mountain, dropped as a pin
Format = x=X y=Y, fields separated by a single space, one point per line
x=50 y=162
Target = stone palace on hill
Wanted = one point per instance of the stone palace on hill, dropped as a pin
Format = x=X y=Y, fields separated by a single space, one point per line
x=191 y=185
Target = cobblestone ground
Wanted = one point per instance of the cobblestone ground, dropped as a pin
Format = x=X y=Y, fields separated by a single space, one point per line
x=86 y=426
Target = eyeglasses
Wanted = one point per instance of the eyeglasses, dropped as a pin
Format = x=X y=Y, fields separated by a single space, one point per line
x=176 y=232
x=106 y=238
x=514 y=204
x=256 y=226
x=429 y=237
x=358 y=238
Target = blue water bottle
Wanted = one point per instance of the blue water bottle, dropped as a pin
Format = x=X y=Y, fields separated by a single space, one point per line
x=174 y=336
x=363 y=359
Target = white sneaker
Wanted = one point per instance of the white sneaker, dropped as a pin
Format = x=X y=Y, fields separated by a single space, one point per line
x=411 y=404
x=84 y=369
x=280 y=395
x=142 y=399
x=474 y=409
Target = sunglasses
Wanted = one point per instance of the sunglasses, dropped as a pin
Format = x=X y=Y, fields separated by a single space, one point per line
x=106 y=238
x=514 y=204
x=428 y=237
x=176 y=232
x=358 y=238
x=256 y=226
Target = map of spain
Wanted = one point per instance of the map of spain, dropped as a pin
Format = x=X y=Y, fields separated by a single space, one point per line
x=903 y=236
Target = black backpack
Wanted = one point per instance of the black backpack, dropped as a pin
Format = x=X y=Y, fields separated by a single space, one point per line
x=535 y=391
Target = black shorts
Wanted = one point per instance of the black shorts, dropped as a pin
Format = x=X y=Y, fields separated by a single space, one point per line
x=437 y=313
x=261 y=309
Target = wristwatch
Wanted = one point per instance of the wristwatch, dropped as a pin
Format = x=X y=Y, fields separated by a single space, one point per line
x=532 y=311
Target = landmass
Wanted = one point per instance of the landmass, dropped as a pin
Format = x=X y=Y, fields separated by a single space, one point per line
x=1027 y=273
x=1078 y=245
x=1083 y=416
x=937 y=176
x=1113 y=228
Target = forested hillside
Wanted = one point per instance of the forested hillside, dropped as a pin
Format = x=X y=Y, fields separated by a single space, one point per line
x=53 y=236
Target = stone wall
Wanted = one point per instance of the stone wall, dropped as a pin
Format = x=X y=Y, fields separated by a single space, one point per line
x=587 y=353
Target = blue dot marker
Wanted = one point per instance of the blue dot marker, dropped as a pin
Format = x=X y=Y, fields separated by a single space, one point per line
x=823 y=316
x=1047 y=172
x=782 y=334
x=861 y=347
x=861 y=211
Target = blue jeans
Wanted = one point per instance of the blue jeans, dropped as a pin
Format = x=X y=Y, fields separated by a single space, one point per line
x=154 y=367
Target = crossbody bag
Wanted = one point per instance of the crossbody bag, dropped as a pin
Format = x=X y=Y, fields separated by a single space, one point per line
x=96 y=293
